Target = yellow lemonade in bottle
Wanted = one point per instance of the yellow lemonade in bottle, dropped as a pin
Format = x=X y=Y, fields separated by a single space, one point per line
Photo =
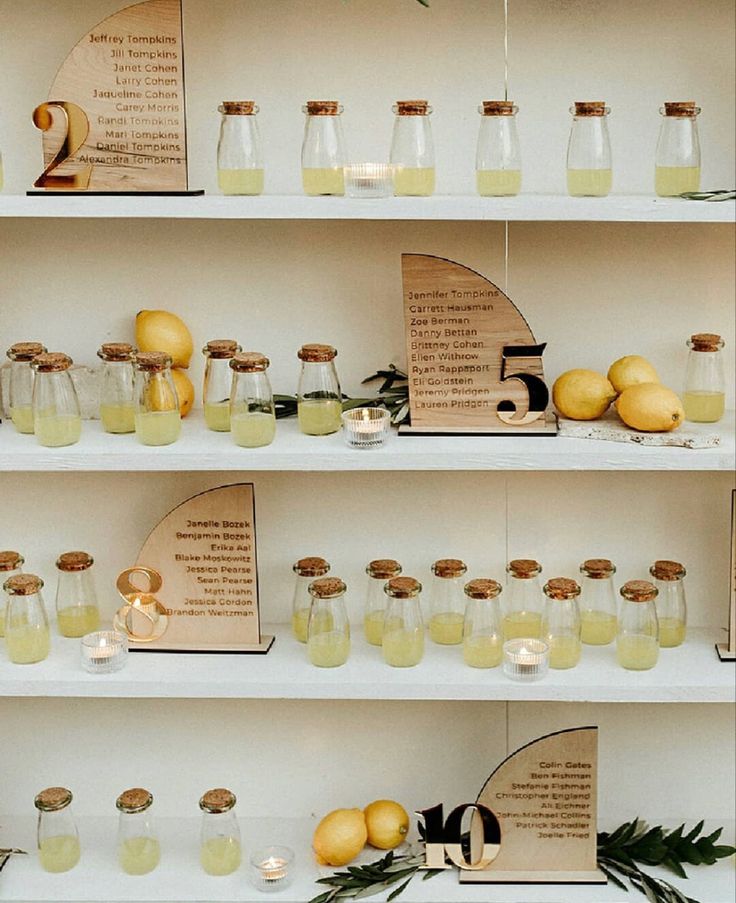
x=78 y=620
x=373 y=627
x=598 y=627
x=221 y=855
x=637 y=652
x=671 y=632
x=217 y=416
x=402 y=647
x=589 y=182
x=704 y=407
x=669 y=181
x=330 y=649
x=157 y=427
x=240 y=181
x=323 y=181
x=139 y=855
x=59 y=853
x=118 y=418
x=446 y=628
x=26 y=644
x=320 y=417
x=299 y=624
x=22 y=418
x=253 y=430
x=522 y=624
x=483 y=651
x=414 y=181
x=56 y=431
x=498 y=182
x=564 y=652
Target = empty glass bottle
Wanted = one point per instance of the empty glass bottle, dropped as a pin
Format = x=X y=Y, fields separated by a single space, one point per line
x=589 y=172
x=704 y=398
x=27 y=638
x=157 y=418
x=139 y=851
x=22 y=377
x=378 y=571
x=11 y=564
x=523 y=609
x=306 y=569
x=637 y=641
x=328 y=632
x=56 y=417
x=483 y=627
x=598 y=608
x=498 y=156
x=403 y=627
x=677 y=158
x=669 y=578
x=252 y=411
x=239 y=152
x=447 y=602
x=561 y=622
x=412 y=149
x=319 y=399
x=58 y=838
x=323 y=149
x=218 y=383
x=220 y=850
x=77 y=611
x=117 y=392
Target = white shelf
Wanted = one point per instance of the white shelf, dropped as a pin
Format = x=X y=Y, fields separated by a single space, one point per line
x=179 y=879
x=200 y=449
x=690 y=673
x=524 y=208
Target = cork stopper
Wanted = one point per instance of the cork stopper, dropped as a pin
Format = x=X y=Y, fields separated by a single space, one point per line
x=449 y=567
x=590 y=108
x=684 y=109
x=116 y=352
x=52 y=799
x=322 y=107
x=249 y=362
x=327 y=588
x=402 y=588
x=311 y=567
x=316 y=354
x=663 y=569
x=706 y=341
x=217 y=801
x=134 y=800
x=11 y=561
x=23 y=585
x=524 y=568
x=383 y=568
x=237 y=107
x=74 y=561
x=412 y=107
x=561 y=588
x=639 y=591
x=482 y=588
x=598 y=568
x=221 y=349
x=498 y=108
x=51 y=362
x=25 y=351
x=152 y=361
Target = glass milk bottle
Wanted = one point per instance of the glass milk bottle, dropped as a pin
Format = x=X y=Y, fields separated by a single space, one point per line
x=157 y=419
x=220 y=850
x=378 y=571
x=483 y=628
x=252 y=411
x=319 y=399
x=403 y=627
x=704 y=398
x=58 y=838
x=589 y=171
x=11 y=564
x=598 y=608
x=139 y=851
x=323 y=149
x=637 y=641
x=677 y=158
x=412 y=149
x=561 y=622
x=328 y=632
x=447 y=602
x=218 y=382
x=21 y=383
x=27 y=638
x=669 y=578
x=306 y=569
x=77 y=613
x=117 y=393
x=498 y=156
x=239 y=153
x=56 y=417
x=523 y=614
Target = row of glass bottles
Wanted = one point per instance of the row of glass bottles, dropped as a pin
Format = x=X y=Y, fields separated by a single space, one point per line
x=138 y=847
x=498 y=155
x=650 y=615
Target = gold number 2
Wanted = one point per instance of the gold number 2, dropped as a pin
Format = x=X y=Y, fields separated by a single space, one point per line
x=77 y=129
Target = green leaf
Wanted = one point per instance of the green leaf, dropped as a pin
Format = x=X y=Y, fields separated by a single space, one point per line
x=613 y=877
x=399 y=890
x=323 y=898
x=674 y=866
x=720 y=852
x=695 y=832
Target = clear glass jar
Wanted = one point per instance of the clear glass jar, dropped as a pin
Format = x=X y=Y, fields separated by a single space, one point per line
x=403 y=627
x=669 y=578
x=77 y=610
x=139 y=851
x=218 y=383
x=412 y=149
x=252 y=411
x=523 y=610
x=589 y=172
x=378 y=571
x=447 y=602
x=328 y=631
x=306 y=570
x=239 y=151
x=58 y=839
x=27 y=638
x=561 y=622
x=483 y=627
x=498 y=155
x=323 y=149
x=22 y=377
x=157 y=418
x=598 y=607
x=56 y=417
x=117 y=391
x=319 y=399
x=677 y=158
x=637 y=641
x=11 y=564
x=704 y=398
x=220 y=850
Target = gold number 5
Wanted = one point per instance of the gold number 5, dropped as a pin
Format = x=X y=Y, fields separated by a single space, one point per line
x=77 y=129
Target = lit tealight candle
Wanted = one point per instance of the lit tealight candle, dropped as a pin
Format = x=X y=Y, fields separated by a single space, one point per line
x=270 y=869
x=104 y=651
x=366 y=427
x=525 y=659
x=368 y=180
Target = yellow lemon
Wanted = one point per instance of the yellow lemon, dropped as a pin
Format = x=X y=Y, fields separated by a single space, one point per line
x=339 y=837
x=159 y=394
x=582 y=394
x=159 y=330
x=651 y=408
x=387 y=823
x=184 y=391
x=630 y=371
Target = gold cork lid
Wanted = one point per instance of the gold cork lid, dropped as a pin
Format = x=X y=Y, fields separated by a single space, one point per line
x=51 y=362
x=249 y=362
x=524 y=568
x=598 y=568
x=561 y=588
x=383 y=568
x=316 y=353
x=25 y=351
x=217 y=800
x=412 y=107
x=311 y=567
x=682 y=108
x=662 y=569
x=590 y=108
x=116 y=352
x=11 y=561
x=134 y=800
x=322 y=107
x=152 y=361
x=639 y=591
x=402 y=588
x=327 y=588
x=23 y=585
x=52 y=799
x=498 y=108
x=449 y=567
x=706 y=341
x=221 y=349
x=74 y=561
x=483 y=588
x=238 y=107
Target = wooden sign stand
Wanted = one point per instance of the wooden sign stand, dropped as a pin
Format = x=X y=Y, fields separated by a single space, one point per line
x=727 y=651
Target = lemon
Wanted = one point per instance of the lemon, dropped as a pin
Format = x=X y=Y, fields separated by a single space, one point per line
x=387 y=823
x=184 y=391
x=339 y=837
x=582 y=394
x=650 y=407
x=159 y=330
x=159 y=394
x=630 y=371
